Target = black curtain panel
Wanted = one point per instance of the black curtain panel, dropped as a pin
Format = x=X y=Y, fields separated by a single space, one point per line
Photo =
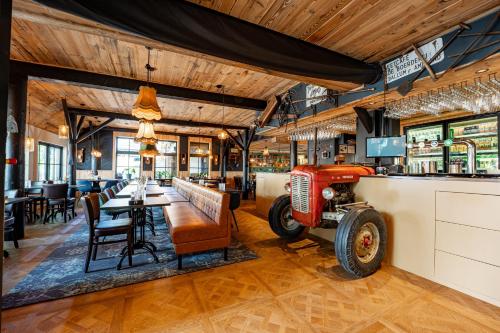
x=193 y=27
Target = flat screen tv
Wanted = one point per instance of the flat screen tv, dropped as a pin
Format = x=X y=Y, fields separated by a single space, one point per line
x=390 y=146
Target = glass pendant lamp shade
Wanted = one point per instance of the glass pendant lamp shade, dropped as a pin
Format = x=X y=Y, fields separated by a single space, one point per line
x=146 y=106
x=222 y=135
x=148 y=150
x=29 y=144
x=96 y=153
x=266 y=151
x=146 y=133
x=63 y=132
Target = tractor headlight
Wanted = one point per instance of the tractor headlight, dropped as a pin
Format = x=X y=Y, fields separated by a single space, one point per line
x=287 y=187
x=328 y=193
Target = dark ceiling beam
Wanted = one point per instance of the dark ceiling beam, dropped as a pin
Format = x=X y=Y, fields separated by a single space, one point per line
x=132 y=130
x=127 y=85
x=235 y=140
x=94 y=130
x=167 y=121
x=79 y=125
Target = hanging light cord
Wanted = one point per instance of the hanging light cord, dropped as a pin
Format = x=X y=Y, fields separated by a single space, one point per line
x=149 y=68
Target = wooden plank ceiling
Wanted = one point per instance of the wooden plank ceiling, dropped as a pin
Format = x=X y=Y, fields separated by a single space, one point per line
x=369 y=30
x=45 y=107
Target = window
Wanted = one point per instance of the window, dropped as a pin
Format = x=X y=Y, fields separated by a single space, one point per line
x=128 y=160
x=49 y=162
x=166 y=163
x=199 y=159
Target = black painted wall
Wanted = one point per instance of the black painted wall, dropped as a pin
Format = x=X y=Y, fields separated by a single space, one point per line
x=183 y=150
x=382 y=127
x=104 y=139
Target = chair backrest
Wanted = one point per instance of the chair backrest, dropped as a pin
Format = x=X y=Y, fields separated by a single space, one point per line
x=55 y=191
x=114 y=189
x=84 y=185
x=110 y=183
x=109 y=193
x=119 y=186
x=10 y=194
x=238 y=181
x=103 y=198
x=92 y=212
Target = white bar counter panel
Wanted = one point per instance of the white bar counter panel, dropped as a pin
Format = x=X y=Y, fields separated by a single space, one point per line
x=444 y=229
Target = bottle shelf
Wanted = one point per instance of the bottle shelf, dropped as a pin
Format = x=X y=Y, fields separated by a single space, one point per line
x=476 y=135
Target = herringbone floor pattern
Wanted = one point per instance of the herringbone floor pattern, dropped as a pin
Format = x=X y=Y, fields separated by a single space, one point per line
x=291 y=288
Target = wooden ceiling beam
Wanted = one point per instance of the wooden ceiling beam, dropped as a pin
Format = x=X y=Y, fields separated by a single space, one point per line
x=94 y=130
x=132 y=130
x=167 y=121
x=33 y=12
x=127 y=85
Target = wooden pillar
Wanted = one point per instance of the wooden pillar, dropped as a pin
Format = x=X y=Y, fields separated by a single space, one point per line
x=5 y=29
x=293 y=154
x=72 y=138
x=17 y=102
x=246 y=166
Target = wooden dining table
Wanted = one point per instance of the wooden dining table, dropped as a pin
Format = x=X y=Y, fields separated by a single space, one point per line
x=138 y=220
x=153 y=190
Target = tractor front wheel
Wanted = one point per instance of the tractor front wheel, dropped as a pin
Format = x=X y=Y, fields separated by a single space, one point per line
x=360 y=241
x=281 y=221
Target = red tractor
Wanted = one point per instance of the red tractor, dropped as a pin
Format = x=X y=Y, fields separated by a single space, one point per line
x=322 y=197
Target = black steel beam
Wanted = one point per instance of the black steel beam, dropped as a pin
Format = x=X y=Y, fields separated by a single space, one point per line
x=127 y=85
x=167 y=121
x=94 y=130
x=235 y=140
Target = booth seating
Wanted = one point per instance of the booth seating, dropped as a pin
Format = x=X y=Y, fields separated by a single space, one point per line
x=199 y=222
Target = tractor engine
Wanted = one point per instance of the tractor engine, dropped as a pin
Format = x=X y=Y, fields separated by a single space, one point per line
x=317 y=191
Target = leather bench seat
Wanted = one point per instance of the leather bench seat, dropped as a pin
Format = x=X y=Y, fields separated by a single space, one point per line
x=197 y=219
x=191 y=225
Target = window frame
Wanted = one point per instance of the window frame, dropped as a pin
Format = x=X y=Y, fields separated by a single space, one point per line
x=47 y=162
x=164 y=167
x=128 y=152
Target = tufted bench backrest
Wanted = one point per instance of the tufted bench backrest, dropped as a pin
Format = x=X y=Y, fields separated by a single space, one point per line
x=213 y=203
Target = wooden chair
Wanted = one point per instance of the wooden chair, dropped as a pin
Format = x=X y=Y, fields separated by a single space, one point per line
x=101 y=229
x=8 y=227
x=103 y=198
x=56 y=196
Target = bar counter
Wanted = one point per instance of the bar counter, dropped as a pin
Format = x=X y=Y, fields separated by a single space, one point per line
x=443 y=228
x=446 y=229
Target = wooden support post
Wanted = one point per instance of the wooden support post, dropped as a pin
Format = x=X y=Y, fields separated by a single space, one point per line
x=293 y=154
x=5 y=30
x=17 y=106
x=246 y=152
x=73 y=129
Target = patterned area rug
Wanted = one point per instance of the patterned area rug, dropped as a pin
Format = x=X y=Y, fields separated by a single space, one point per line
x=61 y=273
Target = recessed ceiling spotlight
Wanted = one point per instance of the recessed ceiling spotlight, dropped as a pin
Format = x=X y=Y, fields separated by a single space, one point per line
x=482 y=70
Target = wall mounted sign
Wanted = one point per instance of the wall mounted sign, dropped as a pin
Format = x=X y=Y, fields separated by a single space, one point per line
x=314 y=91
x=409 y=63
x=342 y=149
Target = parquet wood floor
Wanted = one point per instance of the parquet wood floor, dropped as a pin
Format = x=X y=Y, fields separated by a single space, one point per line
x=297 y=287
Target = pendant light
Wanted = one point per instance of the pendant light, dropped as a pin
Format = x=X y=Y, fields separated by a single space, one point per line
x=95 y=148
x=148 y=150
x=146 y=106
x=29 y=142
x=146 y=133
x=198 y=150
x=222 y=134
x=265 y=152
x=63 y=132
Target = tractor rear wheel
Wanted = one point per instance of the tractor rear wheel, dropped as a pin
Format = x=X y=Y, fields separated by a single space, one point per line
x=281 y=221
x=360 y=241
